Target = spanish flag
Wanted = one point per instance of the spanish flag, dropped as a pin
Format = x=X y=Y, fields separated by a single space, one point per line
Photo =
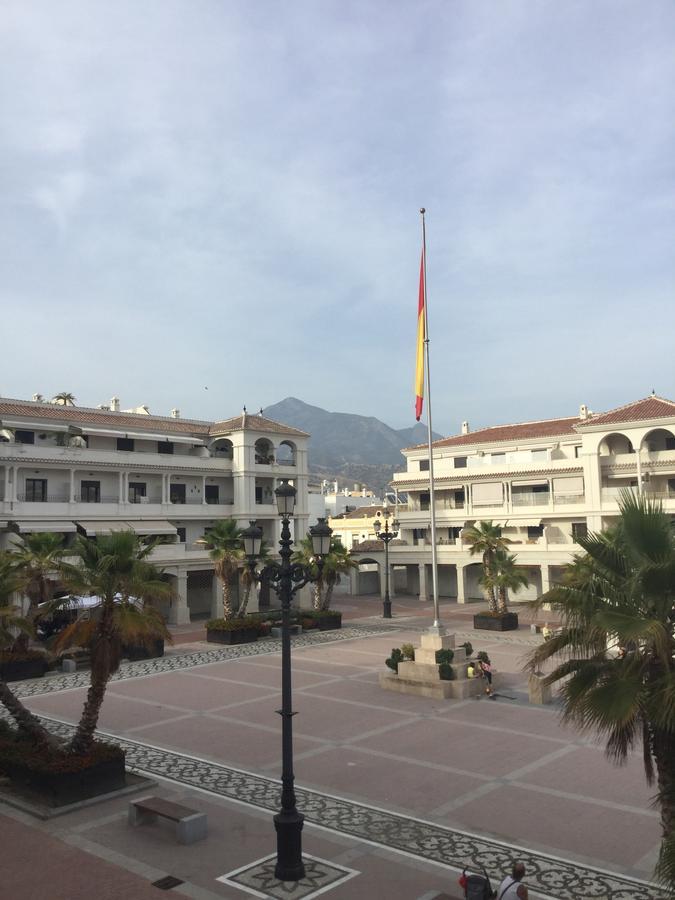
x=419 y=368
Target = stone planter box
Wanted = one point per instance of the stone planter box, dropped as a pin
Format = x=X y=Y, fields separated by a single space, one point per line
x=55 y=786
x=18 y=669
x=238 y=636
x=329 y=623
x=504 y=622
x=138 y=651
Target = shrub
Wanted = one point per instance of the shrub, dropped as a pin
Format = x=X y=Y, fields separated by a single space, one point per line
x=444 y=657
x=395 y=658
x=446 y=672
x=408 y=651
x=230 y=624
x=468 y=646
x=482 y=656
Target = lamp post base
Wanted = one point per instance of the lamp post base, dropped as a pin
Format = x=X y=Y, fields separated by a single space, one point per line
x=290 y=866
x=386 y=608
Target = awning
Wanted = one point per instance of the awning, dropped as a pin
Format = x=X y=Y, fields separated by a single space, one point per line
x=529 y=482
x=56 y=527
x=93 y=528
x=147 y=527
x=526 y=523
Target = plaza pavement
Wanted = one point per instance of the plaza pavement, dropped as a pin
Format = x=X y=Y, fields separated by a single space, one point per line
x=400 y=789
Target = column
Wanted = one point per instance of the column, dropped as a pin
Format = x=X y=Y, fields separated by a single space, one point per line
x=423 y=581
x=71 y=496
x=120 y=487
x=165 y=488
x=203 y=490
x=15 y=485
x=545 y=579
x=179 y=614
x=8 y=483
x=353 y=581
x=216 y=598
x=461 y=593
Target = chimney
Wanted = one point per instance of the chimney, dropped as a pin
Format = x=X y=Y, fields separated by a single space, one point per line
x=175 y=413
x=465 y=428
x=583 y=411
x=115 y=404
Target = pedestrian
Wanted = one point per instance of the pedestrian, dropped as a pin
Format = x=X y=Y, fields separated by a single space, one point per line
x=486 y=672
x=511 y=887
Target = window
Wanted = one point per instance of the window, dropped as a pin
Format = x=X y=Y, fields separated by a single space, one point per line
x=454 y=532
x=125 y=443
x=539 y=455
x=534 y=532
x=419 y=534
x=36 y=490
x=425 y=500
x=424 y=465
x=164 y=447
x=212 y=493
x=670 y=443
x=177 y=493
x=24 y=437
x=579 y=530
x=460 y=462
x=577 y=452
x=137 y=489
x=182 y=535
x=459 y=499
x=497 y=458
x=90 y=492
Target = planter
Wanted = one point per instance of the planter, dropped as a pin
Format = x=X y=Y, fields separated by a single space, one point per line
x=235 y=636
x=139 y=651
x=57 y=785
x=329 y=623
x=18 y=669
x=503 y=622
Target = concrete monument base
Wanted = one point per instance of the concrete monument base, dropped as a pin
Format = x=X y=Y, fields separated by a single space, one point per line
x=421 y=676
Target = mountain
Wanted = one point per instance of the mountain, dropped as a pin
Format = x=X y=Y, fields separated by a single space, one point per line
x=348 y=447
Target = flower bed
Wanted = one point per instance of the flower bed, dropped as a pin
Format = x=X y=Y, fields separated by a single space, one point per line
x=141 y=651
x=324 y=619
x=232 y=631
x=60 y=778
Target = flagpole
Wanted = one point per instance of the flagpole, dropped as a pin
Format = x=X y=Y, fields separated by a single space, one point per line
x=437 y=628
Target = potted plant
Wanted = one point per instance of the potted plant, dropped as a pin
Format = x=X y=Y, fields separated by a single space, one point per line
x=395 y=658
x=18 y=665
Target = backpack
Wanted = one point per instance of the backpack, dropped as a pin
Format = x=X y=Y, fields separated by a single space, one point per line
x=477 y=887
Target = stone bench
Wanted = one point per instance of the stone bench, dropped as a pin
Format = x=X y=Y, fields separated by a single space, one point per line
x=190 y=824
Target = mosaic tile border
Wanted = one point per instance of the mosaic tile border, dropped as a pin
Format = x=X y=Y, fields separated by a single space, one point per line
x=556 y=878
x=258 y=879
x=174 y=663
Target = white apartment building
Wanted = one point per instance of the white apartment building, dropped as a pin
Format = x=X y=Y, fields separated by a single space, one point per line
x=72 y=470
x=544 y=482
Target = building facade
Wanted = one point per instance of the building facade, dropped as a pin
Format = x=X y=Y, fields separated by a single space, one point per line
x=73 y=470
x=543 y=482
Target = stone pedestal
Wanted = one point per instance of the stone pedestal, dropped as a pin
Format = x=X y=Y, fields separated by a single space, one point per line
x=421 y=676
x=540 y=693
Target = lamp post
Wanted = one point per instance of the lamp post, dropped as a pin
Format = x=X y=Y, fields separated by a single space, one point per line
x=286 y=578
x=385 y=535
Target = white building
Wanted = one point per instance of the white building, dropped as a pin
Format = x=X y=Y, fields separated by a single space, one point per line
x=69 y=469
x=544 y=482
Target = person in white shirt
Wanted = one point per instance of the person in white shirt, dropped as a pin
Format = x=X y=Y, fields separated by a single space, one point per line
x=511 y=887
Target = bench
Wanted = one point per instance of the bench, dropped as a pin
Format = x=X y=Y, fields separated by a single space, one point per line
x=190 y=824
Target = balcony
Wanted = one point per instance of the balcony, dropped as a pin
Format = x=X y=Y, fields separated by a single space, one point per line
x=46 y=498
x=568 y=499
x=138 y=499
x=84 y=499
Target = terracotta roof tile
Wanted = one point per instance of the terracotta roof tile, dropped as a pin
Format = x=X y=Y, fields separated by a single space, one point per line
x=500 y=433
x=82 y=416
x=652 y=407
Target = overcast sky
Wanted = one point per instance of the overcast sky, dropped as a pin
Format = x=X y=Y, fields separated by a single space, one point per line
x=209 y=203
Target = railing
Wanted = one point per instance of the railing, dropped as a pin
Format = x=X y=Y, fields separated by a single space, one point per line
x=530 y=498
x=182 y=501
x=49 y=498
x=80 y=498
x=562 y=499
x=144 y=499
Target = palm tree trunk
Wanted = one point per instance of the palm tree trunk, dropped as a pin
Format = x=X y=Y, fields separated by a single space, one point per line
x=244 y=603
x=503 y=605
x=26 y=722
x=328 y=596
x=317 y=599
x=84 y=736
x=227 y=603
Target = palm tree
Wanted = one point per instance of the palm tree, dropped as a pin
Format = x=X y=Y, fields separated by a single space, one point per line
x=10 y=622
x=223 y=541
x=336 y=563
x=486 y=539
x=37 y=560
x=64 y=398
x=615 y=654
x=114 y=568
x=504 y=576
x=247 y=578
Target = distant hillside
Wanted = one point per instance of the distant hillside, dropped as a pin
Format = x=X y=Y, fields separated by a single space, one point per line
x=346 y=446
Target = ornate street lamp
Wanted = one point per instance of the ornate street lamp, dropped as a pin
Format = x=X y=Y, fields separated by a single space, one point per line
x=386 y=535
x=286 y=578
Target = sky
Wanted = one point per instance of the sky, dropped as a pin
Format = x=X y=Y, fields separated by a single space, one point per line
x=207 y=204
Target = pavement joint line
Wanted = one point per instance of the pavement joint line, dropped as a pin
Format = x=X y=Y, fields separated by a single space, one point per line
x=468 y=797
x=539 y=763
x=424 y=764
x=431 y=842
x=585 y=798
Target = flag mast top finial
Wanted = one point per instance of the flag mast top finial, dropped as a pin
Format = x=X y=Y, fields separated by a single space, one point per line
x=422 y=210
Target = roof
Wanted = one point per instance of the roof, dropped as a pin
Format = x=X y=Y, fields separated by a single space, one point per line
x=651 y=407
x=361 y=512
x=500 y=433
x=80 y=415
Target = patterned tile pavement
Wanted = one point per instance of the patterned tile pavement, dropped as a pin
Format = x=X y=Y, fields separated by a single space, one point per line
x=259 y=880
x=550 y=876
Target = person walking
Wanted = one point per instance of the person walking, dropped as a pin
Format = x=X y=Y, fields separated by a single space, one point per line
x=511 y=887
x=486 y=672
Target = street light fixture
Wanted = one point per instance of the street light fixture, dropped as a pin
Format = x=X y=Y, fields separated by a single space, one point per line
x=386 y=535
x=287 y=578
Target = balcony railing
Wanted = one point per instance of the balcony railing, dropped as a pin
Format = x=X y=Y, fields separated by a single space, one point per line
x=540 y=498
x=47 y=498
x=83 y=498
x=182 y=501
x=562 y=499
x=143 y=499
